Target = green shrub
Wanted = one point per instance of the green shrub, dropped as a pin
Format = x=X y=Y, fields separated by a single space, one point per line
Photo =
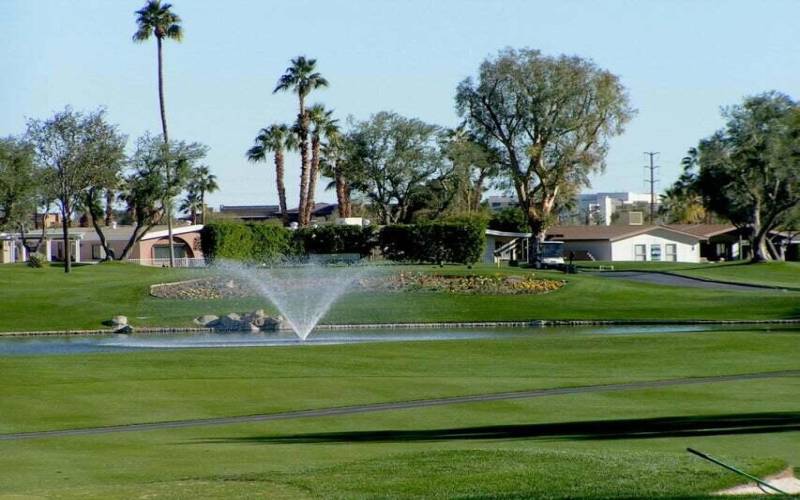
x=270 y=242
x=511 y=219
x=245 y=242
x=36 y=260
x=458 y=242
x=335 y=239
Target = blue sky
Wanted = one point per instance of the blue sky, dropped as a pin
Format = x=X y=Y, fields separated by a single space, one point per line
x=680 y=60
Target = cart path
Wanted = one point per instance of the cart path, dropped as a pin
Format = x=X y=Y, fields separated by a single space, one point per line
x=670 y=279
x=399 y=405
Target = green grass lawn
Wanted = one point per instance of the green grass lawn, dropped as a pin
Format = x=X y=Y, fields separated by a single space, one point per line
x=46 y=299
x=622 y=444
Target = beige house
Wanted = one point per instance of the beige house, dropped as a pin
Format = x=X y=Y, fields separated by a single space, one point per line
x=152 y=249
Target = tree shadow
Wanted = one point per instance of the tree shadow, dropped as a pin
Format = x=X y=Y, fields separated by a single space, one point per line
x=664 y=427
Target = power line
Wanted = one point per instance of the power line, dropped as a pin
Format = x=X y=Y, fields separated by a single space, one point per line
x=652 y=167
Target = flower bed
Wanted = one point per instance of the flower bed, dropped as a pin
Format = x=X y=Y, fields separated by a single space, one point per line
x=471 y=284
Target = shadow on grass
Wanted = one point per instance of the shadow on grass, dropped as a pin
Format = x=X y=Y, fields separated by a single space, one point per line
x=666 y=427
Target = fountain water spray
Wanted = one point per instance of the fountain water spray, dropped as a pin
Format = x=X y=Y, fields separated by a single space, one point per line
x=303 y=291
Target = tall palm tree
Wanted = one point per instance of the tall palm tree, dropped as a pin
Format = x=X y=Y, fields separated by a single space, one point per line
x=203 y=181
x=301 y=79
x=324 y=126
x=192 y=204
x=158 y=20
x=275 y=139
x=333 y=158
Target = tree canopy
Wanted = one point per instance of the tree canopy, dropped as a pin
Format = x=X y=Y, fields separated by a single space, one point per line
x=549 y=119
x=749 y=171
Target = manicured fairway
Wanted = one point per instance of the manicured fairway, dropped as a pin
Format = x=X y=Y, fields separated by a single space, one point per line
x=575 y=445
x=46 y=299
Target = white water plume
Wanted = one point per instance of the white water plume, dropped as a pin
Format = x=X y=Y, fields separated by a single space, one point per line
x=303 y=292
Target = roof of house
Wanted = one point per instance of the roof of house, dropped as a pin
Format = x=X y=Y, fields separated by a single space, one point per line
x=507 y=234
x=250 y=211
x=703 y=230
x=119 y=233
x=607 y=233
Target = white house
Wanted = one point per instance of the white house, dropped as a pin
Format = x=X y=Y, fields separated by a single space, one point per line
x=628 y=243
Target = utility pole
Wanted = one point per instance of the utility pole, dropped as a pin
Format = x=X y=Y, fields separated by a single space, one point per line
x=652 y=181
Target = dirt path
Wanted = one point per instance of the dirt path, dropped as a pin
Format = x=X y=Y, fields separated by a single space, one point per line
x=399 y=405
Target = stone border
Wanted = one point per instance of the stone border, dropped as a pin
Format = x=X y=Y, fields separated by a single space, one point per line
x=537 y=323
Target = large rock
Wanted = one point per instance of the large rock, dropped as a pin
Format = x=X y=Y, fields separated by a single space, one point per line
x=119 y=321
x=123 y=329
x=206 y=320
x=231 y=322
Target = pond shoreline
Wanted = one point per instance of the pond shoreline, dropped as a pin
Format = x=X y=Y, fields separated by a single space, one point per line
x=410 y=326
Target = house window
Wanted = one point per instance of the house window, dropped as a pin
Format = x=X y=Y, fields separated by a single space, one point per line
x=671 y=252
x=639 y=253
x=655 y=253
x=97 y=252
x=162 y=251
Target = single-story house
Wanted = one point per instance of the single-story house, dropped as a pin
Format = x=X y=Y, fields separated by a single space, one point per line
x=151 y=249
x=628 y=243
x=505 y=246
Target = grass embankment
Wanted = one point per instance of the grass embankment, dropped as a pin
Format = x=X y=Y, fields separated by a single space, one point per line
x=772 y=274
x=46 y=299
x=589 y=445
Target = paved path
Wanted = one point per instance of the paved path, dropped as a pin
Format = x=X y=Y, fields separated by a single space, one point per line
x=399 y=405
x=660 y=278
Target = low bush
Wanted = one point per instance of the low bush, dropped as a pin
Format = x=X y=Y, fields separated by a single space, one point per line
x=36 y=260
x=333 y=239
x=457 y=242
x=245 y=242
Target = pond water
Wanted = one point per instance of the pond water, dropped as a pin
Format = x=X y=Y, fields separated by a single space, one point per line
x=77 y=344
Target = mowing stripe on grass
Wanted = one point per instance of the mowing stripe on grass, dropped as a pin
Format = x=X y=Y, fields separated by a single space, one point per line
x=398 y=405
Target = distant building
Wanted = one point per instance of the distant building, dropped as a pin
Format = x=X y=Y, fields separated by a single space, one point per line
x=599 y=208
x=256 y=213
x=497 y=203
x=250 y=213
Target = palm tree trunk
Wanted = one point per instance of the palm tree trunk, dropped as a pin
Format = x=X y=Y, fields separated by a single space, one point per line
x=167 y=201
x=340 y=199
x=281 y=186
x=202 y=206
x=313 y=176
x=304 y=170
x=109 y=207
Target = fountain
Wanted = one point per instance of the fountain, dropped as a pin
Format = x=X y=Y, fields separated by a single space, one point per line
x=303 y=291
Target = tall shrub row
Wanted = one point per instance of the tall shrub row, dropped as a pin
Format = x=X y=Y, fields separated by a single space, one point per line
x=245 y=242
x=458 y=242
x=332 y=239
x=438 y=242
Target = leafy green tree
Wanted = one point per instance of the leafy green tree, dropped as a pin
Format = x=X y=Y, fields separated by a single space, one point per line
x=19 y=183
x=160 y=21
x=275 y=139
x=749 y=171
x=301 y=78
x=392 y=157
x=155 y=176
x=549 y=118
x=79 y=154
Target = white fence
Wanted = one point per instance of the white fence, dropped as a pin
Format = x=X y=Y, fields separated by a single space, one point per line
x=179 y=262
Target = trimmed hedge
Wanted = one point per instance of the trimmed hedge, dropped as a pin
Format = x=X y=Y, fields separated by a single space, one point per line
x=245 y=242
x=457 y=242
x=439 y=242
x=332 y=239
